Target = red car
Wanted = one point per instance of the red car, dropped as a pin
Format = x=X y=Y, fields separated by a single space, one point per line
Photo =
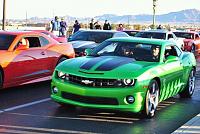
x=191 y=41
x=28 y=57
x=61 y=39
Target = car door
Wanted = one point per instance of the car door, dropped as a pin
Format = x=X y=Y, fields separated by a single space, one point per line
x=51 y=56
x=37 y=59
x=172 y=80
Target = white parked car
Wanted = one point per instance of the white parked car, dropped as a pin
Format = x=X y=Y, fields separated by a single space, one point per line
x=161 y=34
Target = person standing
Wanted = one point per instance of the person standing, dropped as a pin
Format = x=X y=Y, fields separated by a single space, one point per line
x=76 y=26
x=97 y=25
x=55 y=26
x=159 y=27
x=106 y=25
x=63 y=27
x=120 y=27
x=92 y=24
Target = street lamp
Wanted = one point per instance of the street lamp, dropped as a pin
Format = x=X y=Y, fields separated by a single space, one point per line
x=4 y=15
x=154 y=13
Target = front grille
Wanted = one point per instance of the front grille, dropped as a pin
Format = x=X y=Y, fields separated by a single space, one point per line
x=94 y=82
x=89 y=99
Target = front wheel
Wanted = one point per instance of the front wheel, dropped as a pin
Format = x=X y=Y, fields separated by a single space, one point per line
x=152 y=98
x=189 y=89
x=61 y=60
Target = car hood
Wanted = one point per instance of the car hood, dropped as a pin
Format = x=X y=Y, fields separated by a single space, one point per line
x=104 y=66
x=83 y=44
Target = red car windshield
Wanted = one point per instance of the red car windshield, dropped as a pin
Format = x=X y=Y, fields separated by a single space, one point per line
x=5 y=41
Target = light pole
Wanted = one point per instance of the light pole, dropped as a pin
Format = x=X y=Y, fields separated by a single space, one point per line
x=4 y=15
x=154 y=13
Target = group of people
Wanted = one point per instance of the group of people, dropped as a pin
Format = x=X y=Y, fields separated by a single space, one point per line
x=106 y=25
x=60 y=27
x=96 y=25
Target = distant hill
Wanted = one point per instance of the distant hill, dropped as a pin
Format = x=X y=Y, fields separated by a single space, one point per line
x=184 y=16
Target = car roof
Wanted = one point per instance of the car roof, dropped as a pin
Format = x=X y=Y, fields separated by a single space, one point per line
x=18 y=32
x=158 y=31
x=185 y=32
x=100 y=31
x=141 y=40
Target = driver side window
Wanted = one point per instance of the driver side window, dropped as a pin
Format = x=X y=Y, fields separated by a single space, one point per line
x=170 y=50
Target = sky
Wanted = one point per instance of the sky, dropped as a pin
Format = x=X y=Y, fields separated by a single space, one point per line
x=17 y=9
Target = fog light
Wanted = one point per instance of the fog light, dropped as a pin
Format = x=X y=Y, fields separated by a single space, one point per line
x=130 y=99
x=55 y=90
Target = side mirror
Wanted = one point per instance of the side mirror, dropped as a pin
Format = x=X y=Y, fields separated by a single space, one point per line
x=88 y=51
x=22 y=47
x=171 y=59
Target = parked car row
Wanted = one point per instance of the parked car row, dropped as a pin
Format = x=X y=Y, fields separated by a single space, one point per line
x=121 y=73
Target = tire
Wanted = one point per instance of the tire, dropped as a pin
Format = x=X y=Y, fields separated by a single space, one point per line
x=61 y=60
x=152 y=99
x=189 y=89
x=1 y=80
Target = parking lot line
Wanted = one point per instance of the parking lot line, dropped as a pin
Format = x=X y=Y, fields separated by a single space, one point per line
x=44 y=130
x=25 y=105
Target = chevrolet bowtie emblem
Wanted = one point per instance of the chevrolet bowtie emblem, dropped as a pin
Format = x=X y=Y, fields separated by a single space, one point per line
x=87 y=82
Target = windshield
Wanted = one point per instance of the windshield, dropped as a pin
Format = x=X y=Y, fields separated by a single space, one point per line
x=150 y=35
x=5 y=41
x=184 y=35
x=135 y=50
x=97 y=37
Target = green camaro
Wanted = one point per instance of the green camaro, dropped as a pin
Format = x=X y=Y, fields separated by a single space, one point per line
x=127 y=74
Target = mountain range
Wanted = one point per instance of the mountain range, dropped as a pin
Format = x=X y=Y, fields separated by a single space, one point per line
x=184 y=16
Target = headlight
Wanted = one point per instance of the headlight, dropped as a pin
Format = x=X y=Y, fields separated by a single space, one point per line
x=63 y=75
x=128 y=82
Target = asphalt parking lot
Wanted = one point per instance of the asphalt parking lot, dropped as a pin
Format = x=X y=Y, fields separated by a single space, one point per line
x=29 y=110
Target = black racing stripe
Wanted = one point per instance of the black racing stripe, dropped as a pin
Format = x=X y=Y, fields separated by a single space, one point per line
x=89 y=64
x=114 y=63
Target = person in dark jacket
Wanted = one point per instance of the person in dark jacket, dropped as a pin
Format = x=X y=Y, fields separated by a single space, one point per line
x=97 y=25
x=92 y=24
x=63 y=27
x=106 y=25
x=76 y=26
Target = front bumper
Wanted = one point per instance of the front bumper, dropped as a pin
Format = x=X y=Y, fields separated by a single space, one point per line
x=83 y=93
